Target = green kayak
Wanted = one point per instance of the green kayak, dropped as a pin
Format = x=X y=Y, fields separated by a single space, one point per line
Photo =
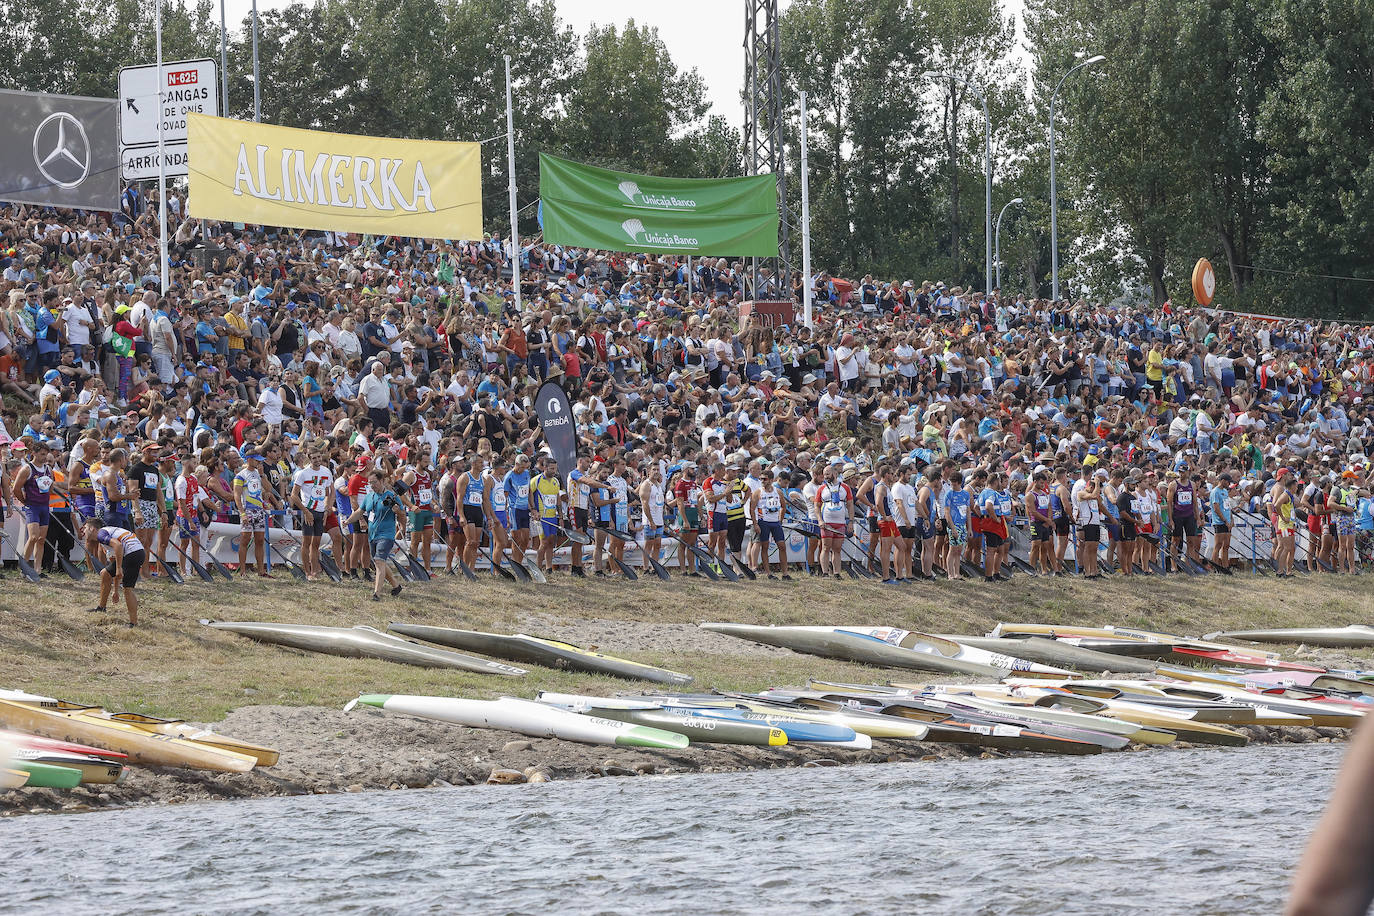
x=47 y=776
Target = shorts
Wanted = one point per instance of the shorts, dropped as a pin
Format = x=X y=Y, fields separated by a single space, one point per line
x=580 y=519
x=381 y=549
x=189 y=528
x=1061 y=526
x=502 y=518
x=771 y=531
x=690 y=519
x=127 y=576
x=152 y=515
x=252 y=519
x=1128 y=533
x=1345 y=526
x=522 y=518
x=718 y=522
x=422 y=520
x=331 y=522
x=1040 y=531
x=734 y=534
x=832 y=530
x=1185 y=525
x=473 y=515
x=993 y=540
x=652 y=532
x=1221 y=528
x=924 y=529
x=312 y=524
x=958 y=536
x=887 y=529
x=38 y=515
x=1113 y=530
x=909 y=532
x=548 y=527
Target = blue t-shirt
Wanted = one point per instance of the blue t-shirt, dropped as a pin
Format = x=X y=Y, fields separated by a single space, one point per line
x=1221 y=513
x=517 y=488
x=381 y=518
x=957 y=502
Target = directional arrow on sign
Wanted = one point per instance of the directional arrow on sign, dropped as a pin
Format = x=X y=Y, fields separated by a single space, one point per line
x=132 y=106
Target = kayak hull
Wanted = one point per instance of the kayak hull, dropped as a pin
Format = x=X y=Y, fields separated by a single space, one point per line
x=852 y=645
x=1354 y=636
x=535 y=650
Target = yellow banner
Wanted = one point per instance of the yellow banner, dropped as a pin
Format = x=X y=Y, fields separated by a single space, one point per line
x=308 y=179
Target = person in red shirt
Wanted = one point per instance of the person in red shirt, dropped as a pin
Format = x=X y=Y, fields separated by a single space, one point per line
x=358 y=557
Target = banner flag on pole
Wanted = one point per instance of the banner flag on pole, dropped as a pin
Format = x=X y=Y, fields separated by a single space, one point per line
x=309 y=179
x=588 y=206
x=559 y=426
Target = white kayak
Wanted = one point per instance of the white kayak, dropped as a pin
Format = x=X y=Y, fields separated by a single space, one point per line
x=527 y=718
x=1354 y=636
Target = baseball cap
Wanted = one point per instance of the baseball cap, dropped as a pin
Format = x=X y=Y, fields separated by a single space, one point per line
x=51 y=374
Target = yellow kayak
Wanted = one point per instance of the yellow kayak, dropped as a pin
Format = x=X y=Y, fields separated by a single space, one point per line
x=92 y=726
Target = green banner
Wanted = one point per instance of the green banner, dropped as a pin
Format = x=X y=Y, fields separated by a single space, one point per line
x=593 y=207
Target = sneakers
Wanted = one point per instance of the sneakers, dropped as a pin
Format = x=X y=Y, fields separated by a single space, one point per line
x=395 y=591
x=579 y=572
x=786 y=577
x=771 y=576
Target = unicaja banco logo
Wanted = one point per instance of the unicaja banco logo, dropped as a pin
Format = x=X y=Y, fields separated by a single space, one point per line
x=654 y=201
x=660 y=240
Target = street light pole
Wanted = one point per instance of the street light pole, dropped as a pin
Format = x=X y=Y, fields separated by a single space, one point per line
x=257 y=95
x=998 y=259
x=1054 y=197
x=987 y=171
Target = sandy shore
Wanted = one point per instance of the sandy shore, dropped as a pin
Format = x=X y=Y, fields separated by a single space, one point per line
x=326 y=751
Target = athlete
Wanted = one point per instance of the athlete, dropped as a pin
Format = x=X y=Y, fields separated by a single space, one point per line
x=652 y=503
x=122 y=558
x=956 y=511
x=835 y=507
x=549 y=505
x=766 y=507
x=310 y=494
x=516 y=484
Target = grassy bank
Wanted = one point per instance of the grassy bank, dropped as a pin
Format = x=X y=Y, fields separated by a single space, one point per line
x=172 y=666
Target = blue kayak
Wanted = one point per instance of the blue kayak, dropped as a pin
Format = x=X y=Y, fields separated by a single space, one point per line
x=798 y=730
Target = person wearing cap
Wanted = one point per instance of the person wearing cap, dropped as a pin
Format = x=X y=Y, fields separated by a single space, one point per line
x=146 y=481
x=254 y=501
x=1343 y=504
x=1219 y=501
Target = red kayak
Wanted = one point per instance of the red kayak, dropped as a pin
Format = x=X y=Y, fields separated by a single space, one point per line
x=34 y=742
x=1222 y=657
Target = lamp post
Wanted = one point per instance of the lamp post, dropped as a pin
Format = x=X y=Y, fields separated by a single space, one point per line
x=987 y=169
x=998 y=259
x=1054 y=197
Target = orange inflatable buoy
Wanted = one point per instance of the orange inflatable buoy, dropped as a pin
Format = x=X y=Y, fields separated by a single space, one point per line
x=1204 y=282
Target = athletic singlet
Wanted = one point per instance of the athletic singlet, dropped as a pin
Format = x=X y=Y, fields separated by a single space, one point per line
x=188 y=492
x=1043 y=501
x=620 y=489
x=84 y=502
x=37 y=486
x=653 y=511
x=110 y=536
x=734 y=501
x=424 y=491
x=1057 y=504
x=833 y=499
x=546 y=490
x=1004 y=504
x=870 y=507
x=472 y=493
x=770 y=505
x=251 y=482
x=713 y=492
x=517 y=489
x=498 y=494
x=578 y=494
x=169 y=496
x=1183 y=501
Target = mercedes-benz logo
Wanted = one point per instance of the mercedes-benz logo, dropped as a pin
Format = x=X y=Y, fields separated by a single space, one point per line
x=61 y=150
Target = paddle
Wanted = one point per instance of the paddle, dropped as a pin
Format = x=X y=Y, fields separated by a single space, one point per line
x=626 y=571
x=464 y=568
x=533 y=571
x=70 y=568
x=171 y=570
x=417 y=568
x=292 y=568
x=703 y=559
x=24 y=565
x=629 y=538
x=497 y=567
x=199 y=570
x=575 y=537
x=331 y=569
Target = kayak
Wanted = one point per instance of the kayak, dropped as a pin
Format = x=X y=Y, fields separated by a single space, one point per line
x=90 y=769
x=698 y=731
x=1110 y=632
x=362 y=642
x=526 y=717
x=176 y=728
x=1355 y=636
x=13 y=779
x=799 y=730
x=1051 y=715
x=881 y=646
x=1243 y=659
x=89 y=726
x=539 y=651
x=1057 y=652
x=46 y=776
x=35 y=742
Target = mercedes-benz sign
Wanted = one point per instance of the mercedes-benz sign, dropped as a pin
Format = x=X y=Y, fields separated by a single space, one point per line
x=59 y=150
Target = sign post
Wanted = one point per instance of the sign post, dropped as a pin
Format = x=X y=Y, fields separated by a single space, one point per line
x=151 y=105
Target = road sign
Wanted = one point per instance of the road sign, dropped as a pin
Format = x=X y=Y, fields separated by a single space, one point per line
x=139 y=163
x=188 y=85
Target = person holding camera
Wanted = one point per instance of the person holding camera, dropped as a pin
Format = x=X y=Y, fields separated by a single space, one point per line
x=385 y=522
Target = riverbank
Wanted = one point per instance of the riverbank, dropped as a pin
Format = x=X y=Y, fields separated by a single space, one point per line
x=171 y=666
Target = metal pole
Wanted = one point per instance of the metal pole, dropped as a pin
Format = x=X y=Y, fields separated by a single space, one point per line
x=998 y=259
x=987 y=214
x=1054 y=191
x=257 y=94
x=161 y=160
x=689 y=282
x=223 y=62
x=806 y=224
x=510 y=167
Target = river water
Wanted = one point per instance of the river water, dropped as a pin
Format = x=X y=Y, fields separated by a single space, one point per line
x=1213 y=831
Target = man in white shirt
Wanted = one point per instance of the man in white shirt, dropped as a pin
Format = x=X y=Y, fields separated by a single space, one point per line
x=77 y=324
x=375 y=391
x=831 y=402
x=270 y=403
